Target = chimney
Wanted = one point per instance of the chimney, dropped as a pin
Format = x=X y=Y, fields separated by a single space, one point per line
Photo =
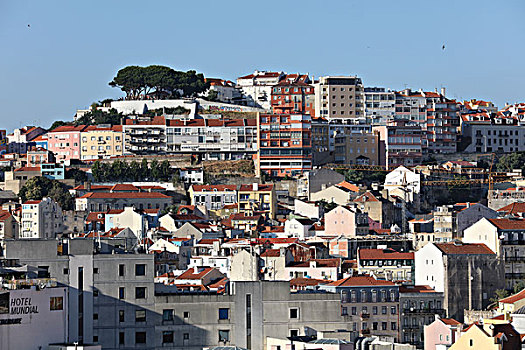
x=255 y=186
x=443 y=91
x=87 y=186
x=468 y=204
x=195 y=270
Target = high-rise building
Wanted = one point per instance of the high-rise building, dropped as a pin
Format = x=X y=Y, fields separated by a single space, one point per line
x=285 y=147
x=339 y=97
x=380 y=105
x=293 y=94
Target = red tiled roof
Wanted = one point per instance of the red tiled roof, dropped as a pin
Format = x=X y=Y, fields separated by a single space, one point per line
x=124 y=187
x=463 y=248
x=416 y=289
x=508 y=224
x=303 y=282
x=32 y=202
x=357 y=281
x=102 y=195
x=513 y=298
x=190 y=274
x=514 y=208
x=28 y=168
x=271 y=253
x=69 y=128
x=450 y=321
x=4 y=215
x=387 y=254
x=319 y=263
x=366 y=197
x=157 y=120
x=277 y=240
x=349 y=186
x=94 y=216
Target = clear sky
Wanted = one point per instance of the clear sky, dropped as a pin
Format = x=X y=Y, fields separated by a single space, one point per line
x=72 y=49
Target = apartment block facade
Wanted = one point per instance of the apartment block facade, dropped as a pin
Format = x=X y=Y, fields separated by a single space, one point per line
x=339 y=97
x=380 y=105
x=41 y=219
x=285 y=147
x=101 y=142
x=64 y=142
x=293 y=96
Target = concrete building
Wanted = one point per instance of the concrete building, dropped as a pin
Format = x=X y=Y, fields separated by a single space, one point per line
x=64 y=142
x=33 y=318
x=41 y=219
x=401 y=143
x=213 y=197
x=341 y=193
x=379 y=209
x=386 y=264
x=495 y=336
x=285 y=147
x=192 y=175
x=144 y=136
x=443 y=332
x=505 y=237
x=321 y=141
x=317 y=180
x=257 y=87
x=500 y=198
x=226 y=90
x=258 y=199
x=455 y=218
x=379 y=105
x=293 y=95
x=37 y=156
x=23 y=139
x=419 y=306
x=339 y=97
x=370 y=306
x=345 y=221
x=101 y=142
x=212 y=139
x=468 y=274
x=401 y=181
x=307 y=209
x=359 y=148
x=102 y=201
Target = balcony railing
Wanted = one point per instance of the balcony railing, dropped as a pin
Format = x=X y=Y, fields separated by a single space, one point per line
x=424 y=311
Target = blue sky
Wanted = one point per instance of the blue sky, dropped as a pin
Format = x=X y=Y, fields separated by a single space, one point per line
x=72 y=49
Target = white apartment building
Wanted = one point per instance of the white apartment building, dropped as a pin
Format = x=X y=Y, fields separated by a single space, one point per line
x=145 y=136
x=41 y=219
x=213 y=139
x=339 y=97
x=257 y=87
x=380 y=105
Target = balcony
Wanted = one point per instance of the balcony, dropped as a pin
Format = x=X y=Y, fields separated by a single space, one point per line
x=364 y=315
x=424 y=311
x=515 y=258
x=365 y=331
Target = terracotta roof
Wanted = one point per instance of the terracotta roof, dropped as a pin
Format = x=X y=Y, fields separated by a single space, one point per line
x=69 y=128
x=450 y=321
x=387 y=254
x=349 y=186
x=271 y=253
x=130 y=195
x=4 y=215
x=28 y=168
x=157 y=120
x=508 y=224
x=94 y=216
x=124 y=187
x=513 y=298
x=366 y=197
x=277 y=240
x=190 y=274
x=514 y=208
x=32 y=202
x=416 y=289
x=359 y=281
x=303 y=282
x=320 y=263
x=463 y=248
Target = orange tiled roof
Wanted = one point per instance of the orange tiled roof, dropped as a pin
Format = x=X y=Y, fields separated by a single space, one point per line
x=358 y=281
x=389 y=254
x=513 y=298
x=463 y=248
x=508 y=224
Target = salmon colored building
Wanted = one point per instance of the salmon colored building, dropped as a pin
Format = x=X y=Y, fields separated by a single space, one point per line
x=293 y=95
x=285 y=147
x=64 y=142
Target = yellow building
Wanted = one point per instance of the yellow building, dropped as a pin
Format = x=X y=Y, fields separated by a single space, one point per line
x=489 y=336
x=101 y=142
x=257 y=199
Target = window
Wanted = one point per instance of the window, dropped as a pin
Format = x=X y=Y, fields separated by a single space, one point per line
x=471 y=342
x=95 y=270
x=140 y=269
x=393 y=326
x=354 y=310
x=66 y=271
x=121 y=293
x=344 y=311
x=56 y=303
x=140 y=316
x=374 y=326
x=186 y=336
x=140 y=292
x=95 y=316
x=167 y=315
x=140 y=337
x=393 y=310
x=223 y=313
x=167 y=337
x=294 y=313
x=374 y=310
x=186 y=314
x=121 y=270
x=121 y=315
x=224 y=336
x=121 y=337
x=294 y=332
x=384 y=326
x=383 y=310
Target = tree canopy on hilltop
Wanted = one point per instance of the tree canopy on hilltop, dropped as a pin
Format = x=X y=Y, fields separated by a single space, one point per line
x=159 y=82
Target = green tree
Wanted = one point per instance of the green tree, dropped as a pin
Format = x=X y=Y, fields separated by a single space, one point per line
x=134 y=170
x=119 y=170
x=212 y=95
x=175 y=179
x=155 y=169
x=327 y=206
x=58 y=123
x=511 y=161
x=518 y=287
x=131 y=80
x=76 y=174
x=97 y=171
x=144 y=169
x=40 y=187
x=165 y=170
x=97 y=116
x=499 y=294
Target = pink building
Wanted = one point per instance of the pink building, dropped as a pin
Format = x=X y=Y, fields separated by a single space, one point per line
x=346 y=221
x=64 y=142
x=443 y=331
